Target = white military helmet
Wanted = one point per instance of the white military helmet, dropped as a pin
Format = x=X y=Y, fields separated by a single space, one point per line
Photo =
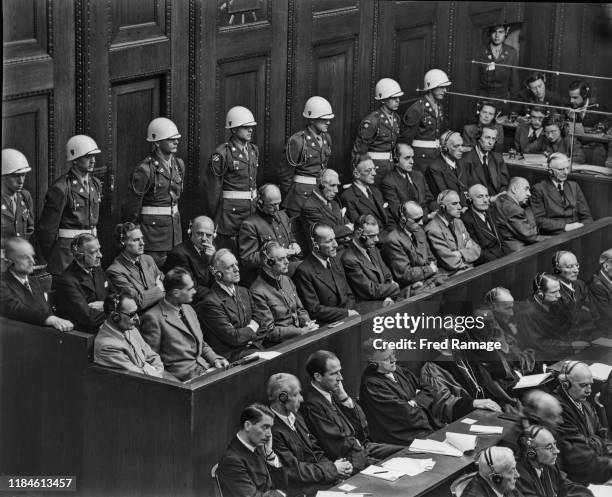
x=387 y=88
x=162 y=128
x=239 y=116
x=435 y=78
x=318 y=108
x=14 y=162
x=79 y=146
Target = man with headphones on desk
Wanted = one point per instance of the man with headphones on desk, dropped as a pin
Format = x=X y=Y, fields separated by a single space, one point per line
x=539 y=475
x=558 y=203
x=586 y=450
x=496 y=476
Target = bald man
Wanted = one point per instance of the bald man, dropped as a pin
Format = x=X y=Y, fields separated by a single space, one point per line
x=600 y=290
x=450 y=241
x=497 y=475
x=480 y=219
x=515 y=220
x=195 y=255
x=21 y=297
x=584 y=443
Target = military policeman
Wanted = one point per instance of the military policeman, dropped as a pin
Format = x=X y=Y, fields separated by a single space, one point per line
x=307 y=154
x=378 y=132
x=231 y=179
x=72 y=205
x=17 y=204
x=157 y=184
x=425 y=120
x=496 y=81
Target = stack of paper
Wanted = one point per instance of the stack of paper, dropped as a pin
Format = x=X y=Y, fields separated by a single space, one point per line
x=461 y=441
x=408 y=466
x=380 y=472
x=533 y=380
x=604 y=342
x=434 y=447
x=600 y=490
x=487 y=430
x=600 y=371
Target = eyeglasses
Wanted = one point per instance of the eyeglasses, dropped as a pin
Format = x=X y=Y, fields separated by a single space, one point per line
x=572 y=266
x=130 y=315
x=550 y=447
x=417 y=220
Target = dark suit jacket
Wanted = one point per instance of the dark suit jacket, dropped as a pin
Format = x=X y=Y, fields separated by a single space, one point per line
x=396 y=190
x=369 y=279
x=441 y=176
x=308 y=468
x=183 y=350
x=357 y=204
x=516 y=224
x=522 y=143
x=495 y=178
x=242 y=472
x=600 y=290
x=186 y=256
x=224 y=322
x=551 y=213
x=315 y=211
x=552 y=482
x=325 y=294
x=491 y=243
x=408 y=261
x=123 y=274
x=74 y=289
x=16 y=301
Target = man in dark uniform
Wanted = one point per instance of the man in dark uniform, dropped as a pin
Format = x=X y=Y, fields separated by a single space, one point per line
x=307 y=154
x=378 y=132
x=157 y=184
x=231 y=178
x=425 y=120
x=17 y=204
x=72 y=205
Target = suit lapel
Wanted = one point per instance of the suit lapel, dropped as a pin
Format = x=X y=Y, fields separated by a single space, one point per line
x=325 y=275
x=173 y=319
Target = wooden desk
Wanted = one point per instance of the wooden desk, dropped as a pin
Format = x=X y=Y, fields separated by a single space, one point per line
x=446 y=469
x=589 y=355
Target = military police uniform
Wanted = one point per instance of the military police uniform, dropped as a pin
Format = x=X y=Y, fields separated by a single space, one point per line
x=377 y=135
x=308 y=154
x=501 y=82
x=421 y=128
x=152 y=201
x=17 y=216
x=71 y=208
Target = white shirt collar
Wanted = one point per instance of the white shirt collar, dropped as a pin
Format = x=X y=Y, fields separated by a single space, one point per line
x=289 y=420
x=361 y=187
x=230 y=291
x=321 y=260
x=325 y=394
x=449 y=161
x=245 y=443
x=21 y=279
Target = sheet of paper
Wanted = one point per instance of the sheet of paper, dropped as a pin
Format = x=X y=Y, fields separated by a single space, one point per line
x=468 y=421
x=345 y=487
x=434 y=447
x=487 y=430
x=265 y=355
x=532 y=380
x=331 y=493
x=604 y=342
x=600 y=490
x=409 y=466
x=600 y=371
x=383 y=473
x=461 y=441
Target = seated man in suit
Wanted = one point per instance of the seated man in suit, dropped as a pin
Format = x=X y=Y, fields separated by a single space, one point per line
x=406 y=251
x=268 y=223
x=600 y=290
x=81 y=289
x=322 y=206
x=119 y=345
x=226 y=313
x=362 y=197
x=450 y=241
x=133 y=270
x=321 y=282
x=276 y=305
x=21 y=297
x=481 y=222
x=447 y=172
x=529 y=137
x=172 y=330
x=250 y=465
x=558 y=142
x=539 y=475
x=336 y=419
x=195 y=254
x=404 y=183
x=497 y=475
x=308 y=468
x=586 y=452
x=486 y=167
x=515 y=220
x=536 y=92
x=486 y=117
x=558 y=203
x=366 y=273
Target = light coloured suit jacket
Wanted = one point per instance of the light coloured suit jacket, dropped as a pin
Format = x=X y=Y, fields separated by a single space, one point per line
x=452 y=254
x=183 y=350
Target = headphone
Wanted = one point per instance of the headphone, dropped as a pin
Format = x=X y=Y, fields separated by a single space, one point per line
x=77 y=241
x=492 y=294
x=556 y=260
x=445 y=138
x=372 y=366
x=442 y=197
x=115 y=317
x=495 y=476
x=283 y=397
x=563 y=376
x=395 y=153
x=537 y=284
x=583 y=86
x=265 y=252
x=311 y=234
x=527 y=441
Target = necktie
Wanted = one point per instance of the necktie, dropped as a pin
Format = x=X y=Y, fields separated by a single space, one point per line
x=368 y=192
x=85 y=183
x=141 y=273
x=12 y=204
x=452 y=228
x=532 y=137
x=562 y=193
x=485 y=158
x=26 y=283
x=183 y=318
x=372 y=254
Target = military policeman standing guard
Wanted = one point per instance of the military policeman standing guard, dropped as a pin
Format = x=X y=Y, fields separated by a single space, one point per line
x=307 y=154
x=378 y=132
x=157 y=184
x=231 y=179
x=425 y=121
x=72 y=205
x=17 y=205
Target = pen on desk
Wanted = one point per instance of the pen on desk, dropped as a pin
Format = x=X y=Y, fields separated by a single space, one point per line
x=380 y=472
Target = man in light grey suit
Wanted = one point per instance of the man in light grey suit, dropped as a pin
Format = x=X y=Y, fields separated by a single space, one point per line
x=172 y=329
x=449 y=239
